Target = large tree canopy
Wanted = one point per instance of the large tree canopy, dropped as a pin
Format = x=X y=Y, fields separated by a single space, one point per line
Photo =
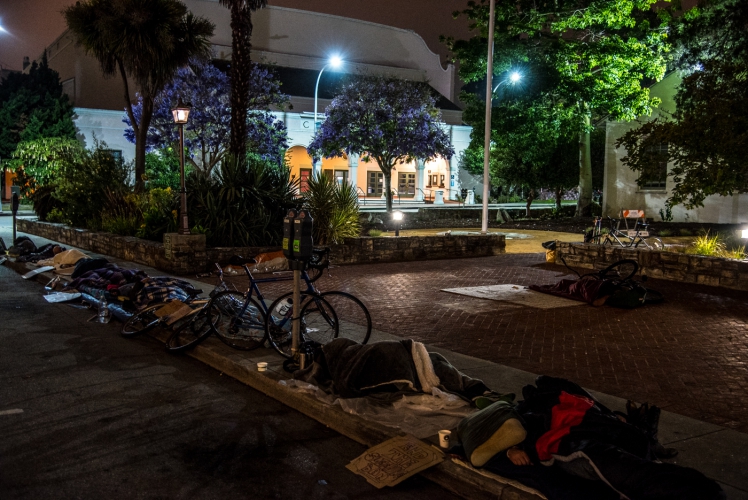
x=146 y=40
x=597 y=56
x=707 y=136
x=32 y=107
x=386 y=119
x=207 y=132
x=241 y=68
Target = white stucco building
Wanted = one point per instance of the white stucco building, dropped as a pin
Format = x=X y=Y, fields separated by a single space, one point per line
x=299 y=44
x=621 y=191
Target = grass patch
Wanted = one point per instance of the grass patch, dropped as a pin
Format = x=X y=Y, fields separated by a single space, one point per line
x=665 y=232
x=685 y=232
x=375 y=233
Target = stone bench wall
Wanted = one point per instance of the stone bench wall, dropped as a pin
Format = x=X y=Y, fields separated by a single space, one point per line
x=714 y=271
x=183 y=257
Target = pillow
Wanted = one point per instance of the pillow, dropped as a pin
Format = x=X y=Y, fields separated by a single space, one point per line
x=490 y=431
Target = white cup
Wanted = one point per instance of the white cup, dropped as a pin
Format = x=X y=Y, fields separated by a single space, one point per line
x=444 y=437
x=262 y=366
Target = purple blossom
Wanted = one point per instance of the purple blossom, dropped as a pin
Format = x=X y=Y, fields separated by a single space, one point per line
x=207 y=133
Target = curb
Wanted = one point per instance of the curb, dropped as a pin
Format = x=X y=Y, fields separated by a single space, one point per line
x=452 y=475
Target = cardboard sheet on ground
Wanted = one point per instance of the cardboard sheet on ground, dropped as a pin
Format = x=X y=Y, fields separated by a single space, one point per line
x=516 y=294
x=395 y=460
x=33 y=273
x=56 y=297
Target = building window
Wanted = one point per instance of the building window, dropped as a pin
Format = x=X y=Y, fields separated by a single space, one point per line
x=341 y=177
x=375 y=186
x=304 y=175
x=659 y=179
x=406 y=184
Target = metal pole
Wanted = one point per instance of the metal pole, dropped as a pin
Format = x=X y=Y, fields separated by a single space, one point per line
x=487 y=131
x=316 y=92
x=296 y=319
x=184 y=226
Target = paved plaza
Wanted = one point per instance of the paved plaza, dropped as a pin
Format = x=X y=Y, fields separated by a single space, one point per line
x=688 y=355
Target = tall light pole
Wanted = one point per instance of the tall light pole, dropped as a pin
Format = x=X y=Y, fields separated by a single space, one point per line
x=487 y=130
x=181 y=112
x=335 y=62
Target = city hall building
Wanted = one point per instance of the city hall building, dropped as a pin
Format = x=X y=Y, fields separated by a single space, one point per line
x=298 y=44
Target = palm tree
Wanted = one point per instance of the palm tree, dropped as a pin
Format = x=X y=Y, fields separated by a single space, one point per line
x=241 y=68
x=145 y=40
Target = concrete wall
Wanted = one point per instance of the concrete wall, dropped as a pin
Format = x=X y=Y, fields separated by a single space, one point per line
x=620 y=190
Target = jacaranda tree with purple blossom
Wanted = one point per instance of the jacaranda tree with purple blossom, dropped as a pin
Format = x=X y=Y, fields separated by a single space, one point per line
x=386 y=119
x=207 y=133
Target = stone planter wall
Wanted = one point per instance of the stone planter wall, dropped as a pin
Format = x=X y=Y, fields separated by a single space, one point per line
x=368 y=250
x=182 y=255
x=671 y=266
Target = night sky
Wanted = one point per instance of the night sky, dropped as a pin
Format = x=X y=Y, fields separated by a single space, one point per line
x=31 y=25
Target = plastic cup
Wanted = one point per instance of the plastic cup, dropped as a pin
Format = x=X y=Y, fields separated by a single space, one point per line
x=262 y=366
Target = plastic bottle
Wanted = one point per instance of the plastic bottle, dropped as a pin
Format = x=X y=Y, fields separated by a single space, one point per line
x=282 y=312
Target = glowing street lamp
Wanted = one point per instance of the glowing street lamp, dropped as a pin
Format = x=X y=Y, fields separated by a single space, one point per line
x=335 y=62
x=397 y=216
x=181 y=113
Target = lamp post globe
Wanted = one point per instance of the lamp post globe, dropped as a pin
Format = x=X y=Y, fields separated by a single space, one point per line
x=181 y=114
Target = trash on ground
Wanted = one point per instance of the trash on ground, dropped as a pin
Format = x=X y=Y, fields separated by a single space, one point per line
x=54 y=298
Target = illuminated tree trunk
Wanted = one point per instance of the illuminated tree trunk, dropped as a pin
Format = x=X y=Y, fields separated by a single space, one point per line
x=388 y=188
x=584 y=204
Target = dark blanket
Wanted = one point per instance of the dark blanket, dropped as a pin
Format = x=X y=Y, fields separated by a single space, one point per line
x=569 y=429
x=110 y=274
x=387 y=369
x=586 y=289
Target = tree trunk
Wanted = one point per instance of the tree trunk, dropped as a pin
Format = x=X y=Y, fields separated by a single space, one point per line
x=140 y=143
x=559 y=193
x=388 y=189
x=584 y=205
x=241 y=32
x=530 y=197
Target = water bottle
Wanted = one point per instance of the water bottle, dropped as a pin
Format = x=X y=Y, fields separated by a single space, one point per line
x=282 y=314
x=104 y=313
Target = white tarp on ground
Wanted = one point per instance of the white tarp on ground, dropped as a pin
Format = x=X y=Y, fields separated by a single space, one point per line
x=422 y=415
x=516 y=294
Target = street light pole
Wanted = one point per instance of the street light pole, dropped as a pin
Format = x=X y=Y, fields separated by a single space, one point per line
x=181 y=113
x=334 y=62
x=487 y=130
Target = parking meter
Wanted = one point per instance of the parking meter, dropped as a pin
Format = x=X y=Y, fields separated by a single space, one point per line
x=303 y=244
x=288 y=233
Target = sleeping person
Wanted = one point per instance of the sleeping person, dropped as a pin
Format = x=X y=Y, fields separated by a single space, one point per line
x=584 y=450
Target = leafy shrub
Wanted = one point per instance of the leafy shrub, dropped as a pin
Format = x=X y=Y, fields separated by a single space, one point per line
x=162 y=169
x=685 y=232
x=159 y=213
x=243 y=204
x=84 y=182
x=334 y=208
x=55 y=215
x=121 y=214
x=375 y=233
x=664 y=232
x=666 y=214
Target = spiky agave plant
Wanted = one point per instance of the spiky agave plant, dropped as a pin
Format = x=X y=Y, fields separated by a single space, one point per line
x=334 y=208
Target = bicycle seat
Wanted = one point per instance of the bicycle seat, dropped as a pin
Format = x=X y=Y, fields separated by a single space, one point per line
x=238 y=260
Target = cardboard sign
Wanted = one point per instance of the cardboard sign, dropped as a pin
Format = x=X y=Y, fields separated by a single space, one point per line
x=395 y=460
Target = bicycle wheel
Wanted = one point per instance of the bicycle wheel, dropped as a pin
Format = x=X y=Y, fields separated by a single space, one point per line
x=652 y=243
x=142 y=322
x=193 y=330
x=238 y=321
x=621 y=270
x=318 y=322
x=354 y=320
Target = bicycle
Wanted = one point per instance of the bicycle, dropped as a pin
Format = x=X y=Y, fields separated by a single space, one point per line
x=639 y=236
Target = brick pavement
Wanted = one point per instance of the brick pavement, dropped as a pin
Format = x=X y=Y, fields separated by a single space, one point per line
x=688 y=355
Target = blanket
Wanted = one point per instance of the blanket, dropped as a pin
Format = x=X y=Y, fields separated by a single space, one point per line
x=385 y=369
x=568 y=428
x=585 y=289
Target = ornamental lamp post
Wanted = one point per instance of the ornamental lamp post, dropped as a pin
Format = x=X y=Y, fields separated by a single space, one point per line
x=335 y=62
x=181 y=112
x=397 y=216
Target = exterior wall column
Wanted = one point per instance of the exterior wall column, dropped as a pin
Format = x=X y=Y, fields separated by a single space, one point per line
x=420 y=169
x=316 y=167
x=454 y=178
x=353 y=170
